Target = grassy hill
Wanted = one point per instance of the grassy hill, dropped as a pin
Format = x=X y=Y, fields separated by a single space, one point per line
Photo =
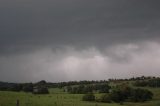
x=57 y=97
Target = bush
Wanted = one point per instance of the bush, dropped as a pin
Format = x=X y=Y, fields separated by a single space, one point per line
x=40 y=90
x=15 y=87
x=104 y=88
x=150 y=83
x=154 y=82
x=89 y=97
x=82 y=89
x=105 y=98
x=140 y=95
x=28 y=87
x=141 y=83
x=117 y=96
x=124 y=93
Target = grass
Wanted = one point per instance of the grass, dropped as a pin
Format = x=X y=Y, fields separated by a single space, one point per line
x=59 y=98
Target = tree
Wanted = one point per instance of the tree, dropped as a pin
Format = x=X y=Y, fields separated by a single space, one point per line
x=117 y=96
x=105 y=98
x=123 y=93
x=154 y=82
x=40 y=90
x=140 y=95
x=15 y=87
x=28 y=87
x=104 y=88
x=88 y=89
x=141 y=83
x=69 y=89
x=41 y=83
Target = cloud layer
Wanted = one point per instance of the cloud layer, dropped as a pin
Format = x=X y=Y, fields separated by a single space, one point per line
x=78 y=39
x=65 y=64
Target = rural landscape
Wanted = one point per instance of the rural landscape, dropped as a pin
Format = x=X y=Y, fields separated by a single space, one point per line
x=139 y=91
x=79 y=52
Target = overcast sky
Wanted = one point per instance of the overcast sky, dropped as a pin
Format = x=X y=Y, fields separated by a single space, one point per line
x=63 y=40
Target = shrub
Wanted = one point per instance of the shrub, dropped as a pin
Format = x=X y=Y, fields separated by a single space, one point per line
x=28 y=87
x=154 y=82
x=140 y=95
x=105 y=98
x=150 y=83
x=89 y=97
x=40 y=90
x=141 y=83
x=104 y=88
x=124 y=93
x=15 y=87
x=117 y=96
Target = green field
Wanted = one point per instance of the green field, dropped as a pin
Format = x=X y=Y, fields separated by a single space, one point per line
x=59 y=98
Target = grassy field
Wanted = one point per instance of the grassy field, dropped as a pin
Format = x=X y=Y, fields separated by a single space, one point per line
x=59 y=98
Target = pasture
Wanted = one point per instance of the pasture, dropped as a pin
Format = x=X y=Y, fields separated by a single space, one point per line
x=59 y=98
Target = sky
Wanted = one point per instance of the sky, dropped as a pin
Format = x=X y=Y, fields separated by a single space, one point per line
x=67 y=40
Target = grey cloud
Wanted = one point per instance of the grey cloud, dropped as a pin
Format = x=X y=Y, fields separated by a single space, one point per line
x=66 y=22
x=78 y=30
x=71 y=64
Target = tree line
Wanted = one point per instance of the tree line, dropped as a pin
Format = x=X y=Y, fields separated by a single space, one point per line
x=150 y=83
x=133 y=79
x=17 y=86
x=81 y=89
x=36 y=88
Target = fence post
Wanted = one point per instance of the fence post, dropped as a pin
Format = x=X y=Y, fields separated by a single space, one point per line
x=17 y=104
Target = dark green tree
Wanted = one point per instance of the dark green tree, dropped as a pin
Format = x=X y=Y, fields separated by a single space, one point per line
x=40 y=90
x=27 y=87
x=105 y=98
x=88 y=97
x=140 y=95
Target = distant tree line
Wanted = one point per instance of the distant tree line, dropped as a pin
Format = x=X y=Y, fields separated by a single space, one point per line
x=17 y=86
x=81 y=89
x=83 y=86
x=36 y=88
x=133 y=79
x=5 y=86
x=85 y=82
x=150 y=83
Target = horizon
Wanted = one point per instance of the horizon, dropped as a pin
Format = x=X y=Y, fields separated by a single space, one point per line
x=152 y=77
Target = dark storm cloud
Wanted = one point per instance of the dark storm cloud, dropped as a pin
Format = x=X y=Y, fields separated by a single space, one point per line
x=93 y=22
x=108 y=26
